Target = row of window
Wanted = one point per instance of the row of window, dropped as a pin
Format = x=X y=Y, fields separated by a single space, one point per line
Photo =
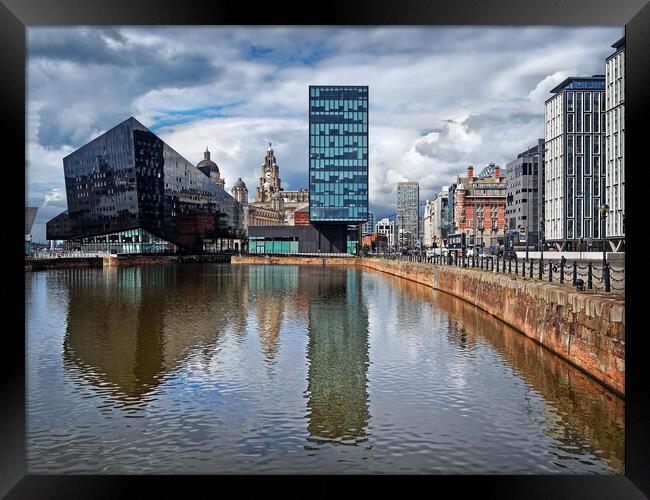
x=350 y=141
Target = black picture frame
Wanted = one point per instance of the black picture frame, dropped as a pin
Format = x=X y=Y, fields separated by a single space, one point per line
x=16 y=15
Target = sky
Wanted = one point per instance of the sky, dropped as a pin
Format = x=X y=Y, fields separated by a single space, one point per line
x=440 y=98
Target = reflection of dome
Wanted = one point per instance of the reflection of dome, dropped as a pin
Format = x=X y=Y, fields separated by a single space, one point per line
x=206 y=163
x=239 y=184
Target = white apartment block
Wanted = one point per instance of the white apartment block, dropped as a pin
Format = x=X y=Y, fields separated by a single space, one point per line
x=574 y=177
x=615 y=145
x=387 y=228
x=433 y=219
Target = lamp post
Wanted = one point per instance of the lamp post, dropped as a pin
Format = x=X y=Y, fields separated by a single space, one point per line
x=481 y=229
x=604 y=210
x=541 y=239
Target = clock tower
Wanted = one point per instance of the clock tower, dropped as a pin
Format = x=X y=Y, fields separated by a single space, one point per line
x=270 y=182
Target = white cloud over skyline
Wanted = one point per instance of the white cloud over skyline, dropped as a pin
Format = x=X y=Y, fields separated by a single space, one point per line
x=441 y=98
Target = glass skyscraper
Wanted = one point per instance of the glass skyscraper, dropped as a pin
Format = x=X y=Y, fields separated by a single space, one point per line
x=338 y=154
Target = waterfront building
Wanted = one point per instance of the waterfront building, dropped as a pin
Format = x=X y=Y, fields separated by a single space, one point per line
x=386 y=227
x=375 y=242
x=273 y=205
x=338 y=161
x=408 y=211
x=210 y=169
x=130 y=192
x=479 y=207
x=369 y=226
x=30 y=215
x=574 y=176
x=301 y=217
x=522 y=192
x=435 y=220
x=615 y=146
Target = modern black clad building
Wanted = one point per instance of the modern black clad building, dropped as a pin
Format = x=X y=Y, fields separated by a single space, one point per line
x=338 y=162
x=128 y=190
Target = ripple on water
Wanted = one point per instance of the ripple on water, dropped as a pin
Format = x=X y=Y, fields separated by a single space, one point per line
x=269 y=369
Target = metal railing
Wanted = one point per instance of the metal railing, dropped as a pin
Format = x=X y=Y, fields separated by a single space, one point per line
x=584 y=276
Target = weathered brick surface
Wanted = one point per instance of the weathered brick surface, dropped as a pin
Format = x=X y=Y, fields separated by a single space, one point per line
x=588 y=330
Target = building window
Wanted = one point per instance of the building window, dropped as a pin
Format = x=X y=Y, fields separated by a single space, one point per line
x=569 y=101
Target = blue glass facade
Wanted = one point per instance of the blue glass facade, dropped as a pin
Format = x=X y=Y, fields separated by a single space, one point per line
x=338 y=154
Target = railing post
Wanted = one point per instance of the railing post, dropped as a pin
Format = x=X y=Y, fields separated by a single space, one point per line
x=509 y=266
x=530 y=272
x=516 y=266
x=589 y=276
x=606 y=277
x=497 y=263
x=550 y=271
x=562 y=261
x=575 y=272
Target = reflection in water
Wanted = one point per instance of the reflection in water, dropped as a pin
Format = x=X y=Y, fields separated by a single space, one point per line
x=128 y=327
x=270 y=286
x=338 y=357
x=585 y=416
x=216 y=368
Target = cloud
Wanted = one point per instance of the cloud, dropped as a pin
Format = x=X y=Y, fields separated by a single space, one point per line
x=441 y=98
x=53 y=196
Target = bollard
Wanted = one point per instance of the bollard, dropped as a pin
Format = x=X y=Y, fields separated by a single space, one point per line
x=530 y=274
x=575 y=273
x=606 y=277
x=562 y=261
x=550 y=272
x=497 y=263
x=589 y=276
x=516 y=266
x=509 y=266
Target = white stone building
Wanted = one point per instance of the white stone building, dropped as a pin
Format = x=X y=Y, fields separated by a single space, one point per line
x=615 y=146
x=574 y=177
x=387 y=228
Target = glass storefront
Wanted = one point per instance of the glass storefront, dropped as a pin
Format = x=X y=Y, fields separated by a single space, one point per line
x=130 y=241
x=284 y=245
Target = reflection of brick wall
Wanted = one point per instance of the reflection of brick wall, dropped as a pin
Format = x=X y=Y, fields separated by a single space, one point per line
x=588 y=330
x=191 y=228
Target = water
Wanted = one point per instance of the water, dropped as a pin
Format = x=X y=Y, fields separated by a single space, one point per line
x=218 y=368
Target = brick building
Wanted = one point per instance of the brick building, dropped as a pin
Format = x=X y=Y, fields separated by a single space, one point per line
x=479 y=207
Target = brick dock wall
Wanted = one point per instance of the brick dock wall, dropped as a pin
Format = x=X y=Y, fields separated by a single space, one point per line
x=288 y=260
x=587 y=330
x=120 y=260
x=67 y=263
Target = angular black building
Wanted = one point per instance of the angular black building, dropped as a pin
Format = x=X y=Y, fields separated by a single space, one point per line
x=128 y=191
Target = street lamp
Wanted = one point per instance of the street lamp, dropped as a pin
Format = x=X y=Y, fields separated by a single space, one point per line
x=541 y=239
x=604 y=210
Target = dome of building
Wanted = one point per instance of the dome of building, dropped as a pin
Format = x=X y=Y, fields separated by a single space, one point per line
x=206 y=163
x=239 y=184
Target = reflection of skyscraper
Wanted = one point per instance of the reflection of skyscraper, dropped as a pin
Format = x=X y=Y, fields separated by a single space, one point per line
x=338 y=357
